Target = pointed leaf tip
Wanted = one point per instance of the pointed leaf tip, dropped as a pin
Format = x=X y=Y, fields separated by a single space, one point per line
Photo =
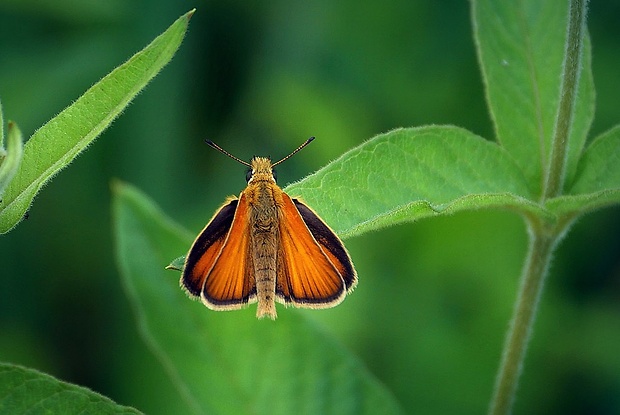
x=177 y=264
x=70 y=132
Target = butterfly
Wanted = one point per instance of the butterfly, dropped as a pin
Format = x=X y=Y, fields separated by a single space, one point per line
x=267 y=247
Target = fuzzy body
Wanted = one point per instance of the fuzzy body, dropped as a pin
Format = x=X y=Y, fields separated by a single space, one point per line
x=265 y=200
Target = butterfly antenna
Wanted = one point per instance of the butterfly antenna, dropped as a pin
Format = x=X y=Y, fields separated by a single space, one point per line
x=308 y=141
x=220 y=149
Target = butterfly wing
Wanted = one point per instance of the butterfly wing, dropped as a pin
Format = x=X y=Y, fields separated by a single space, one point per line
x=330 y=243
x=307 y=276
x=206 y=249
x=219 y=266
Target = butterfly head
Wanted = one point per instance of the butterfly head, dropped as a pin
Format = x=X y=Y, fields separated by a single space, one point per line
x=261 y=170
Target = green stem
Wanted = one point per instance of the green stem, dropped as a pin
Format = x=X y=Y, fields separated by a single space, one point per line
x=543 y=237
x=532 y=281
x=568 y=95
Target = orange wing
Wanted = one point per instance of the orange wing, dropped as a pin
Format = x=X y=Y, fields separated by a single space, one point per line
x=219 y=267
x=206 y=248
x=306 y=276
x=329 y=243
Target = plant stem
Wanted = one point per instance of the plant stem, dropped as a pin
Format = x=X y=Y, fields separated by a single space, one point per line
x=543 y=237
x=568 y=95
x=532 y=281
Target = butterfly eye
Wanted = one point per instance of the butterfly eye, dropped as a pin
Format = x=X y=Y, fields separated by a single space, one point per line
x=275 y=174
x=248 y=175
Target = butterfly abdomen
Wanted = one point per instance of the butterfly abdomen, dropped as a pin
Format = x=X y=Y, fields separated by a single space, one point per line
x=264 y=242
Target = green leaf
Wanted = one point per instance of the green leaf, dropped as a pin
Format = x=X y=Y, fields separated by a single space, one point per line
x=599 y=167
x=230 y=362
x=26 y=391
x=177 y=264
x=521 y=49
x=597 y=180
x=10 y=161
x=408 y=174
x=58 y=142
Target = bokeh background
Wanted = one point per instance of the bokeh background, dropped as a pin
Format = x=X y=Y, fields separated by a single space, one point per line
x=434 y=298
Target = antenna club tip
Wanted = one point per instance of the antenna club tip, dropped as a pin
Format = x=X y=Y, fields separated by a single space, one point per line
x=209 y=142
x=311 y=139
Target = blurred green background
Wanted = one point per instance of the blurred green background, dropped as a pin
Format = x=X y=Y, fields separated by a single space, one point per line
x=435 y=297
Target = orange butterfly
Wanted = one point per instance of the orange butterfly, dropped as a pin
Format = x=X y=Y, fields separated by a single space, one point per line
x=266 y=247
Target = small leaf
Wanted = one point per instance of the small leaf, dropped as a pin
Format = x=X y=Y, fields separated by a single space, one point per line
x=570 y=206
x=26 y=391
x=9 y=162
x=597 y=180
x=58 y=142
x=599 y=167
x=521 y=48
x=177 y=264
x=230 y=362
x=409 y=174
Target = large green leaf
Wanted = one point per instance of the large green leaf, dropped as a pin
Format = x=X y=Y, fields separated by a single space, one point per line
x=521 y=48
x=58 y=142
x=26 y=391
x=408 y=174
x=230 y=362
